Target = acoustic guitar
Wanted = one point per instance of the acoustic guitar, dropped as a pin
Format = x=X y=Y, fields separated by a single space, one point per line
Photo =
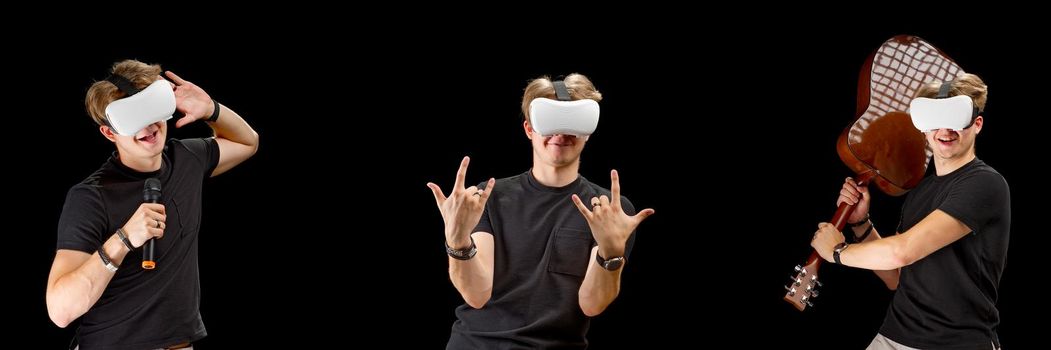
x=881 y=146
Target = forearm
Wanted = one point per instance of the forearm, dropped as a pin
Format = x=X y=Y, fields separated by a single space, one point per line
x=473 y=278
x=889 y=277
x=600 y=287
x=876 y=253
x=232 y=127
x=72 y=294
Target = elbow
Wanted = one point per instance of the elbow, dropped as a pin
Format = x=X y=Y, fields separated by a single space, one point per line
x=254 y=145
x=592 y=310
x=61 y=322
x=62 y=311
x=478 y=301
x=60 y=316
x=902 y=254
x=593 y=305
x=901 y=257
x=891 y=285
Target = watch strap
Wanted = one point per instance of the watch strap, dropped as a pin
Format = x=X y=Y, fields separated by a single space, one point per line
x=839 y=248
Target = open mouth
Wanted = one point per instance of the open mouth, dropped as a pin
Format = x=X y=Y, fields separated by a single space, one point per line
x=947 y=141
x=151 y=138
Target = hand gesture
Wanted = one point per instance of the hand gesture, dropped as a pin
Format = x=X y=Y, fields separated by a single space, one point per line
x=609 y=224
x=463 y=208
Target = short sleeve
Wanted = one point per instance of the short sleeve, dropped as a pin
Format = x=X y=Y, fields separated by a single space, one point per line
x=484 y=225
x=206 y=150
x=977 y=199
x=82 y=225
x=629 y=209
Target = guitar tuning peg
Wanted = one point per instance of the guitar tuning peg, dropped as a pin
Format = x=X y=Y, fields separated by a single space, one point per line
x=805 y=299
x=798 y=268
x=791 y=291
x=813 y=293
x=809 y=304
x=814 y=281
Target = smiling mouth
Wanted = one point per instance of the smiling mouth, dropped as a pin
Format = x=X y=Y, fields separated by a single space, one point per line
x=151 y=138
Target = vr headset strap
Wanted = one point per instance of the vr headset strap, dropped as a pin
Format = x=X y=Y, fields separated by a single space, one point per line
x=561 y=91
x=123 y=84
x=943 y=92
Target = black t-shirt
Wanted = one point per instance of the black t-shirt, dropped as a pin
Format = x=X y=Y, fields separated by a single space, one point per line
x=143 y=309
x=947 y=300
x=542 y=250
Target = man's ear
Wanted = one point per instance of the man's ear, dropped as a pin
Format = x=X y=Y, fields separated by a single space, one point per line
x=528 y=129
x=107 y=132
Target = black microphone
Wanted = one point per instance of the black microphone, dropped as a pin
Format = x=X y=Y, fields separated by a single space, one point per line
x=151 y=193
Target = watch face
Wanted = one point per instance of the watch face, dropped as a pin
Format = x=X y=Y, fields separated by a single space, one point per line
x=614 y=263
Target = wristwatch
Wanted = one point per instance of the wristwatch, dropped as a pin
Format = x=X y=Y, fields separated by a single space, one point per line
x=461 y=254
x=611 y=264
x=839 y=248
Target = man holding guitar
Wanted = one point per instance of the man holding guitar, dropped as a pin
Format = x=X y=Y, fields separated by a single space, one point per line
x=948 y=253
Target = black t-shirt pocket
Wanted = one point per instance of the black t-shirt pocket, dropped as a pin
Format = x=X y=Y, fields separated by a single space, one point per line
x=570 y=250
x=173 y=228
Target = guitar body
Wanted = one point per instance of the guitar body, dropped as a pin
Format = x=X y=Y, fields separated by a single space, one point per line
x=882 y=146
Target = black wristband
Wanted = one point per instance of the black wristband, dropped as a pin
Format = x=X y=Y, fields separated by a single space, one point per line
x=461 y=254
x=215 y=114
x=124 y=238
x=862 y=222
x=106 y=260
x=864 y=235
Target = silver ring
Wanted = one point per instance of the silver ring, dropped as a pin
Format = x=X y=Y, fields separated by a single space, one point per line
x=479 y=193
x=596 y=204
x=158 y=223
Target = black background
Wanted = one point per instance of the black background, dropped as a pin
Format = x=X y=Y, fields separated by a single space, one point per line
x=329 y=234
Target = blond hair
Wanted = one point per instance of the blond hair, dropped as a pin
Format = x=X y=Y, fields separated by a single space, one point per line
x=101 y=93
x=579 y=86
x=965 y=84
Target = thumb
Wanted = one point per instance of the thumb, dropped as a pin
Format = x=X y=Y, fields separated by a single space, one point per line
x=184 y=121
x=439 y=197
x=645 y=213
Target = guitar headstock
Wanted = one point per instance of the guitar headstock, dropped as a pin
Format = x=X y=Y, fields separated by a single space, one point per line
x=802 y=290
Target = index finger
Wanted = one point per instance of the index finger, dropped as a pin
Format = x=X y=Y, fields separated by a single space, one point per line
x=461 y=174
x=157 y=207
x=580 y=206
x=175 y=78
x=615 y=187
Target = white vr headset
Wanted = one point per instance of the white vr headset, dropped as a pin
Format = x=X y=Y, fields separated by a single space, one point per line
x=943 y=112
x=550 y=117
x=140 y=108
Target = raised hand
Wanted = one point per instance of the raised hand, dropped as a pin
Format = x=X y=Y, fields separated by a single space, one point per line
x=191 y=100
x=610 y=226
x=855 y=195
x=463 y=208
